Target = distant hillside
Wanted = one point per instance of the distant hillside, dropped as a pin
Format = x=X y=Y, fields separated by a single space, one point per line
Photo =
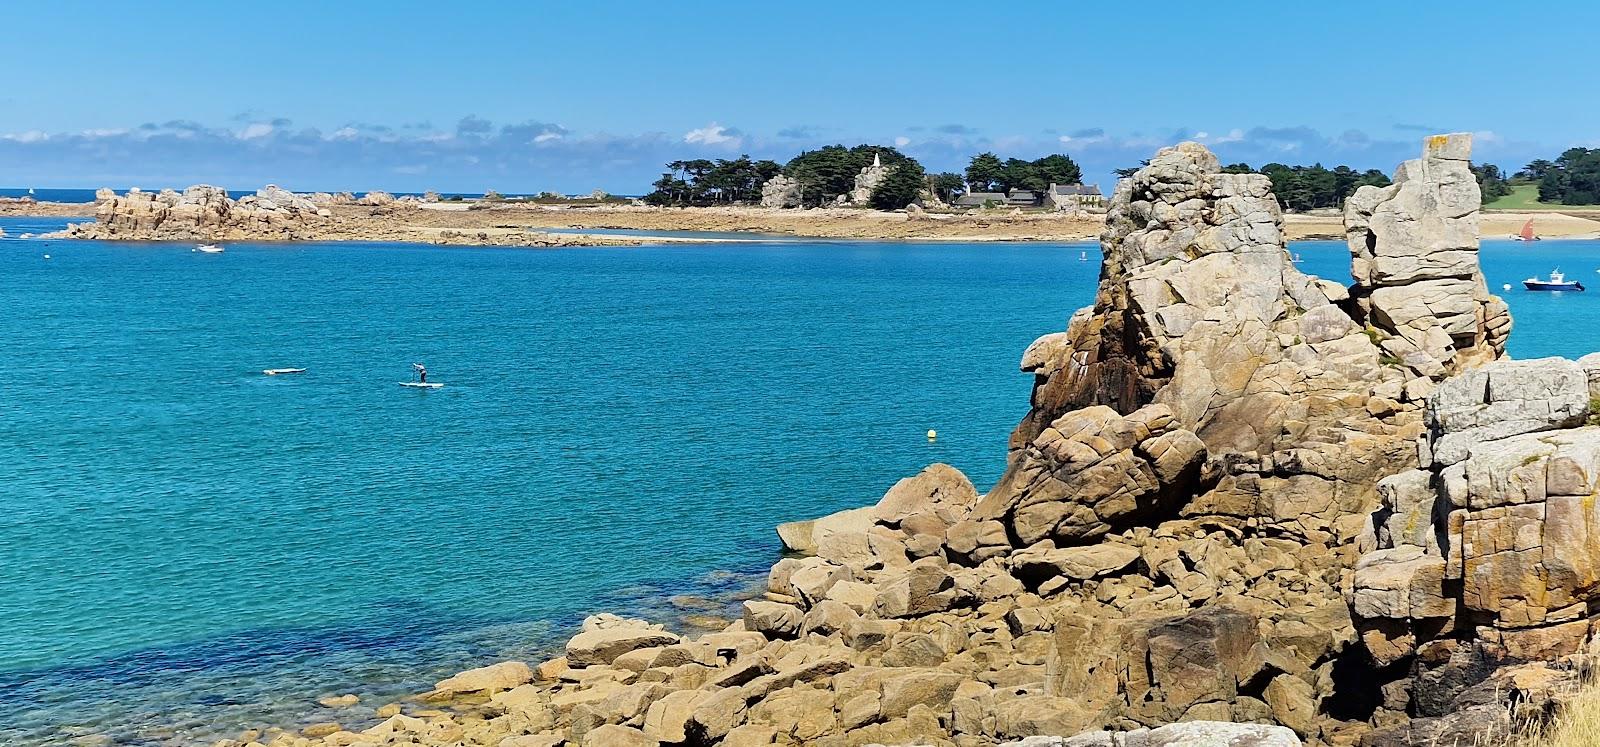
x=1526 y=197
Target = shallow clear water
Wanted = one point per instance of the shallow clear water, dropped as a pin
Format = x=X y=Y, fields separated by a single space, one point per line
x=192 y=547
x=187 y=536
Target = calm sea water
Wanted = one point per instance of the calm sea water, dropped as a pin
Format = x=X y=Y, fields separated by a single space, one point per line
x=191 y=548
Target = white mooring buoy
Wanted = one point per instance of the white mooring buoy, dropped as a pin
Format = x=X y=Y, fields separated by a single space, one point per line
x=933 y=435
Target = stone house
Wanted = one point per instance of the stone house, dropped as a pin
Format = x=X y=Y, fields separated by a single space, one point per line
x=1074 y=196
x=1058 y=197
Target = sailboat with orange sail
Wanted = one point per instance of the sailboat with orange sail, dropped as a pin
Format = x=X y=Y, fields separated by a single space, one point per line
x=1527 y=233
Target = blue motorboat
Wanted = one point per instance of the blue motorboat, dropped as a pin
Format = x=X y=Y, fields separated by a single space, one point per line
x=1557 y=282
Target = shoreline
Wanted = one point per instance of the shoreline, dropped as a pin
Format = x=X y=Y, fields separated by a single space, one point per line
x=386 y=666
x=490 y=226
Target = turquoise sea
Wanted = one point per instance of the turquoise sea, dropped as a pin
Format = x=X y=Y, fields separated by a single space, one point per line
x=191 y=548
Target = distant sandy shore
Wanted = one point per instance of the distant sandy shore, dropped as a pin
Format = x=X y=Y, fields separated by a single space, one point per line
x=487 y=226
x=840 y=223
x=1491 y=225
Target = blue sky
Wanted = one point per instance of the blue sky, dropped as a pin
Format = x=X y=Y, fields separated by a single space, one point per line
x=573 y=96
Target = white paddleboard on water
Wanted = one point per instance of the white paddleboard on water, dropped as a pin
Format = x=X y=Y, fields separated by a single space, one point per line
x=420 y=385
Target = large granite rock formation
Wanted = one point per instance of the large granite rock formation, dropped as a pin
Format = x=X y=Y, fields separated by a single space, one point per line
x=781 y=192
x=1211 y=448
x=1415 y=249
x=1201 y=313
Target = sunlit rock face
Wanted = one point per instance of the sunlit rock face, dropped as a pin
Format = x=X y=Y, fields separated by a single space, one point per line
x=1414 y=246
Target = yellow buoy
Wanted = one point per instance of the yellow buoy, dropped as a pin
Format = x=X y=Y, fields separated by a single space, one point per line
x=933 y=435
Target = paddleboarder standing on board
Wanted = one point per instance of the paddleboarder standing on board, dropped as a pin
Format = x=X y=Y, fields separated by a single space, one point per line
x=422 y=372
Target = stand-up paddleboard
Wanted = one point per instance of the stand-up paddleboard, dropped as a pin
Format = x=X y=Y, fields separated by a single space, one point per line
x=420 y=385
x=276 y=371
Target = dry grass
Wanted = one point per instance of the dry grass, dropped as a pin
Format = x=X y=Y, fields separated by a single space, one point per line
x=1576 y=724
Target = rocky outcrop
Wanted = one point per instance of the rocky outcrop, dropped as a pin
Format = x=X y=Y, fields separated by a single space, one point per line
x=328 y=199
x=206 y=213
x=781 y=192
x=1489 y=554
x=1212 y=447
x=201 y=212
x=1415 y=250
x=376 y=199
x=867 y=181
x=275 y=198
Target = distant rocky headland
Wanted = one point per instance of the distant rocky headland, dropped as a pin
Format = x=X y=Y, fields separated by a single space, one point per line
x=207 y=213
x=379 y=216
x=1247 y=507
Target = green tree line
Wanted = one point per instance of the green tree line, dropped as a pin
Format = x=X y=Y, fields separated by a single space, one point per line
x=1316 y=186
x=705 y=182
x=1572 y=179
x=830 y=171
x=987 y=173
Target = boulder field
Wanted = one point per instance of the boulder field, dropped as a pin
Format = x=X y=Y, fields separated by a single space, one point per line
x=1248 y=507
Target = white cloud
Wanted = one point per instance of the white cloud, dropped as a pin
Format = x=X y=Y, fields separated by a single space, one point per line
x=255 y=130
x=1234 y=135
x=344 y=133
x=902 y=141
x=545 y=137
x=31 y=136
x=713 y=134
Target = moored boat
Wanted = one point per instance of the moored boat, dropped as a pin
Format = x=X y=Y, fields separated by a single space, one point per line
x=278 y=371
x=209 y=249
x=1527 y=233
x=1557 y=282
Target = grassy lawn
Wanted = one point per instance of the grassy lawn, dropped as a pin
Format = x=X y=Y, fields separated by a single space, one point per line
x=1526 y=197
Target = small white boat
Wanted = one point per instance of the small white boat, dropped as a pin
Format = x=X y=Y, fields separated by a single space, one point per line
x=277 y=371
x=208 y=249
x=420 y=385
x=1557 y=282
x=1083 y=256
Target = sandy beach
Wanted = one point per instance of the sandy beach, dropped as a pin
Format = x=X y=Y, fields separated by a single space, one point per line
x=1492 y=225
x=519 y=223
